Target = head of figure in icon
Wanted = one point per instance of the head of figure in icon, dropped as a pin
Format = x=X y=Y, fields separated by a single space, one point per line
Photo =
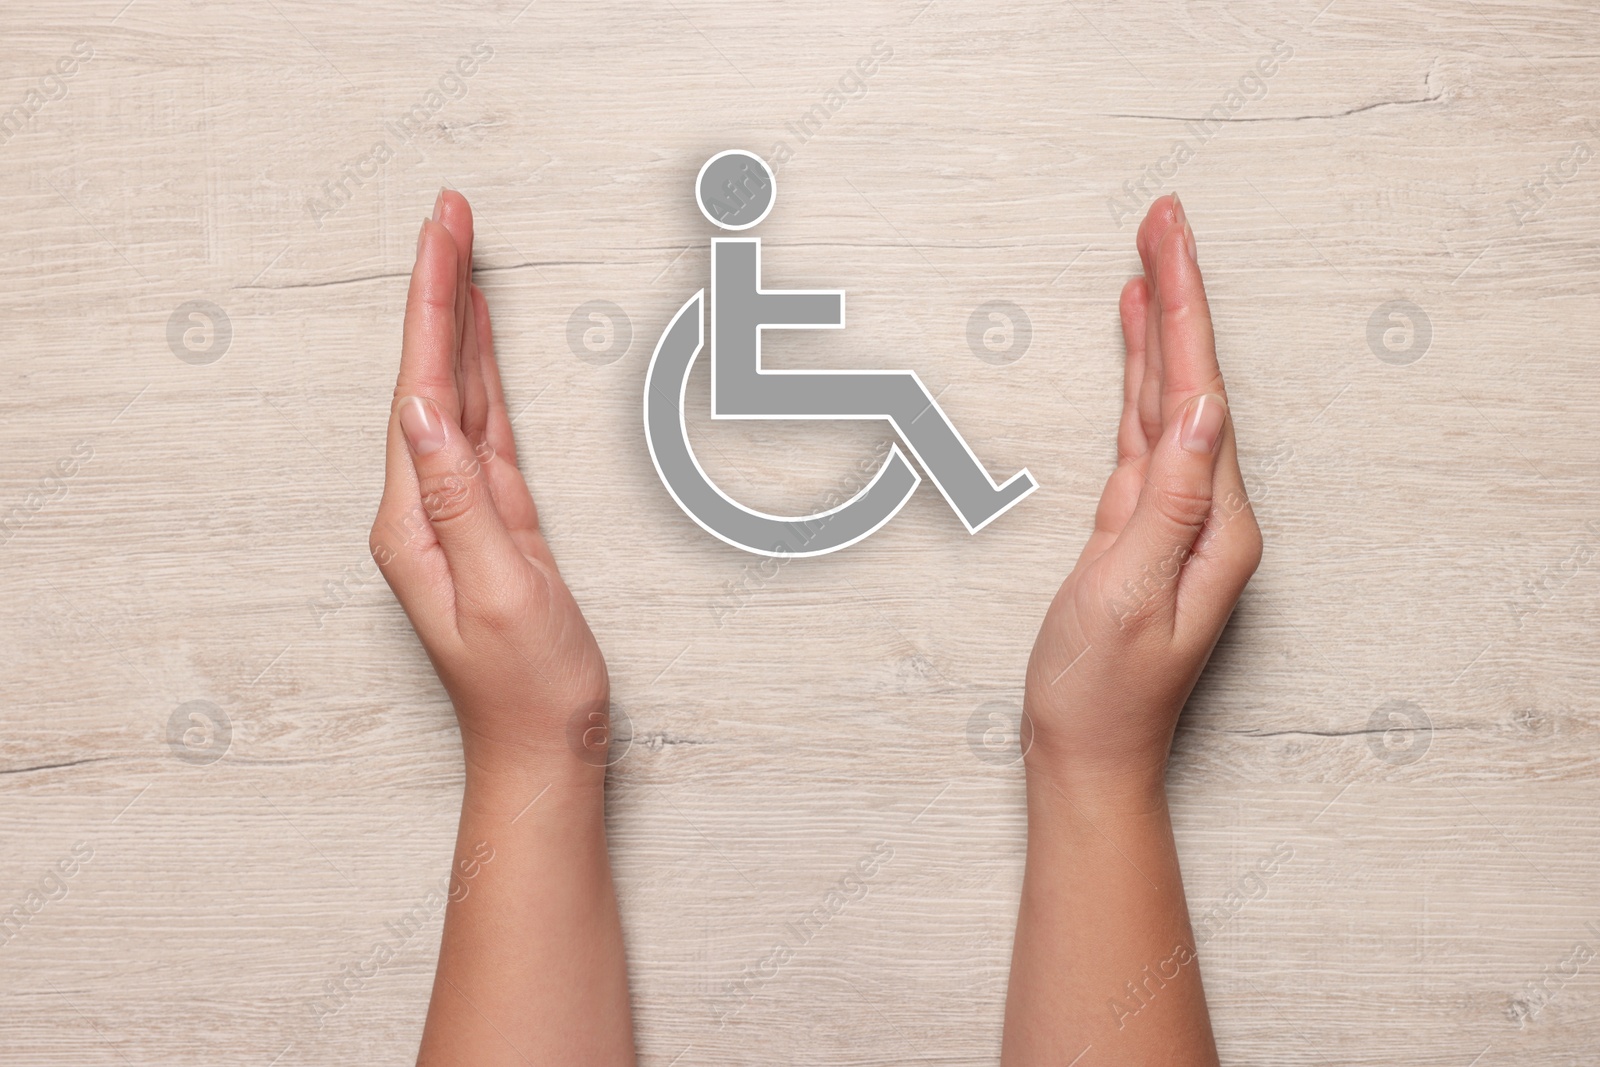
x=735 y=190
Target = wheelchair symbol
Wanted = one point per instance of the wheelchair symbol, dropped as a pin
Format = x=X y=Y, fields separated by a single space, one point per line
x=735 y=191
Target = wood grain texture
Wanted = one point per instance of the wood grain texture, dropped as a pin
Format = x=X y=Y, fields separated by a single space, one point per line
x=1432 y=534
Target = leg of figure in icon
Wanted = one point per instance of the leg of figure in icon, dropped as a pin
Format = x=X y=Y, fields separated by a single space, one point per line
x=741 y=389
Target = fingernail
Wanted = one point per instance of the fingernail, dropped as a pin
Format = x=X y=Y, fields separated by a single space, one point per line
x=438 y=204
x=1202 y=426
x=420 y=422
x=1188 y=232
x=423 y=232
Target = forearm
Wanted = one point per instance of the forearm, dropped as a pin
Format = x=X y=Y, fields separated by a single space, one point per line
x=531 y=967
x=1103 y=970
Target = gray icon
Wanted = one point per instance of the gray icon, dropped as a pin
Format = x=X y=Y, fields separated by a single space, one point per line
x=599 y=332
x=199 y=332
x=741 y=389
x=999 y=332
x=1399 y=732
x=1399 y=332
x=735 y=190
x=999 y=733
x=199 y=732
x=600 y=737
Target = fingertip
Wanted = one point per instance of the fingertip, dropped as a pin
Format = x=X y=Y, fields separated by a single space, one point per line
x=455 y=213
x=1158 y=220
x=1163 y=212
x=434 y=276
x=480 y=321
x=1182 y=221
x=1188 y=342
x=436 y=241
x=452 y=207
x=1135 y=297
x=1178 y=281
x=427 y=352
x=1133 y=307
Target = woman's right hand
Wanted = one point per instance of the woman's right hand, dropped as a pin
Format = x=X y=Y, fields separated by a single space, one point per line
x=1174 y=543
x=1105 y=968
x=457 y=535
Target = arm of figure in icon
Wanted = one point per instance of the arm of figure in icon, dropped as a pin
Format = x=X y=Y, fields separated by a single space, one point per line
x=531 y=967
x=1104 y=969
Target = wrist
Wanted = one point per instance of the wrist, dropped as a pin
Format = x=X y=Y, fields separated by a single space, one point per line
x=1106 y=754
x=1094 y=784
x=496 y=770
x=550 y=742
x=523 y=796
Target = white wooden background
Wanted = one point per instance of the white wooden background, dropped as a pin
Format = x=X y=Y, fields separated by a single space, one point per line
x=1427 y=546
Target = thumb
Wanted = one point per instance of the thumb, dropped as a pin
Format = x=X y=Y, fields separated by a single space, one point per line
x=455 y=495
x=1173 y=506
